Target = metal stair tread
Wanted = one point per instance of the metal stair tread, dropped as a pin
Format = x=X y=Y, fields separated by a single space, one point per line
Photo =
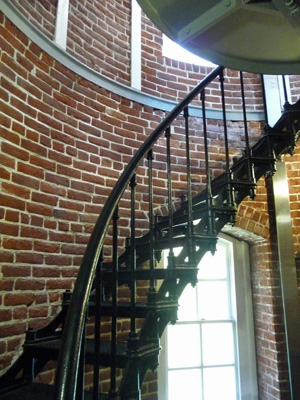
x=141 y=309
x=38 y=391
x=145 y=274
x=50 y=349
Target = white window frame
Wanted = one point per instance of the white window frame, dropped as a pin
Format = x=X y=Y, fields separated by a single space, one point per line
x=136 y=46
x=245 y=338
x=275 y=98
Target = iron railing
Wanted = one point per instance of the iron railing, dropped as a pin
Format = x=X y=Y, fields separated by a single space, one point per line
x=215 y=206
x=67 y=371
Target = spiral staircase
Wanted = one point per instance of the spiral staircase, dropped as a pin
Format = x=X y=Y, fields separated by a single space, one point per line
x=121 y=281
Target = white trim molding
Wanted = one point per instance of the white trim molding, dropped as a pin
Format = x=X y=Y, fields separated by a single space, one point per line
x=61 y=23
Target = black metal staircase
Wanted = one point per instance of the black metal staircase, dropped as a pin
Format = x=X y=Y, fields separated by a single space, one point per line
x=120 y=280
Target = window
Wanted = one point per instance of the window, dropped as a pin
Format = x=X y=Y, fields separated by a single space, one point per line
x=176 y=52
x=209 y=353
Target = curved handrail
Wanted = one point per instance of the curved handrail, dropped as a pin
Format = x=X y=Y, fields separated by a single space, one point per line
x=71 y=342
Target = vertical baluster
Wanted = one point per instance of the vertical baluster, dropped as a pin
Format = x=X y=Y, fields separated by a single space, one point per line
x=224 y=120
x=289 y=120
x=264 y=97
x=229 y=188
x=132 y=261
x=267 y=131
x=170 y=205
x=286 y=100
x=152 y=290
x=211 y=230
x=153 y=332
x=81 y=366
x=247 y=152
x=97 y=333
x=190 y=224
x=133 y=336
x=171 y=257
x=113 y=369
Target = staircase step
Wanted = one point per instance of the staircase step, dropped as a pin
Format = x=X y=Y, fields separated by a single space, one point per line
x=182 y=270
x=49 y=350
x=141 y=309
x=38 y=391
x=292 y=112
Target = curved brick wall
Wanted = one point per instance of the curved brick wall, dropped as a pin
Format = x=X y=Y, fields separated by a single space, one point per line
x=64 y=142
x=41 y=14
x=99 y=37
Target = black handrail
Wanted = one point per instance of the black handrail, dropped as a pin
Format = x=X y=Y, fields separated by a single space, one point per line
x=67 y=369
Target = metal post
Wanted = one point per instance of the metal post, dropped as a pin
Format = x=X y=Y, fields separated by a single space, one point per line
x=190 y=224
x=133 y=333
x=152 y=290
x=288 y=277
x=114 y=333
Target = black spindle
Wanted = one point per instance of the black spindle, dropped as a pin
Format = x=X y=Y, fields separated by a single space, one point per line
x=250 y=168
x=285 y=92
x=132 y=261
x=113 y=369
x=171 y=256
x=209 y=201
x=152 y=290
x=97 y=333
x=229 y=188
x=268 y=132
x=81 y=366
x=264 y=97
x=190 y=224
x=170 y=205
x=224 y=120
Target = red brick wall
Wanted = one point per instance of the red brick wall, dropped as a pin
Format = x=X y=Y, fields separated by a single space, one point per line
x=99 y=36
x=295 y=87
x=64 y=142
x=258 y=216
x=41 y=13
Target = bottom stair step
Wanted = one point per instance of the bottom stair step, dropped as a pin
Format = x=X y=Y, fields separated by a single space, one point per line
x=38 y=391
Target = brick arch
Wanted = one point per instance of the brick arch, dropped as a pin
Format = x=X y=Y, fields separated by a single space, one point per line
x=254 y=215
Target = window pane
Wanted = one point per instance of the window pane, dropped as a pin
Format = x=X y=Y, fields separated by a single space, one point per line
x=176 y=52
x=183 y=346
x=213 y=300
x=214 y=267
x=219 y=383
x=217 y=344
x=185 y=384
x=188 y=304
